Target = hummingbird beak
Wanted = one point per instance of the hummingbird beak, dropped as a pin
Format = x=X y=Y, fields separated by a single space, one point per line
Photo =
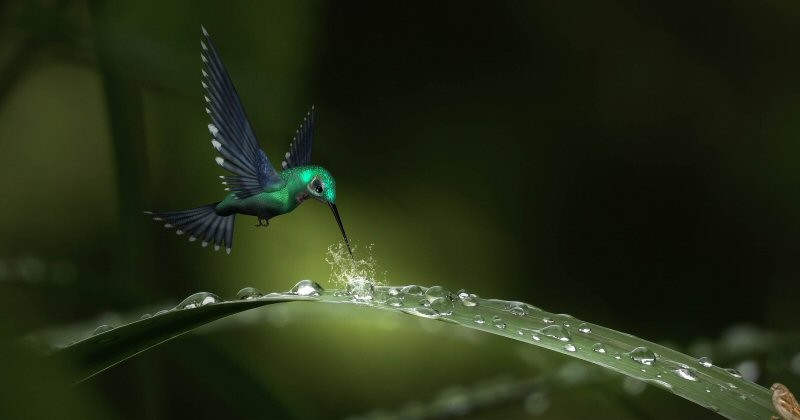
x=341 y=227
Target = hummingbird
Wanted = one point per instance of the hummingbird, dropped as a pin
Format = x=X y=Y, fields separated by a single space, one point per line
x=255 y=187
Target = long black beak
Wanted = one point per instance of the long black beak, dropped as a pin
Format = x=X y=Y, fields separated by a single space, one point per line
x=341 y=227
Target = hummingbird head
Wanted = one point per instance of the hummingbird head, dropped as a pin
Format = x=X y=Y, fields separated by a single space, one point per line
x=322 y=187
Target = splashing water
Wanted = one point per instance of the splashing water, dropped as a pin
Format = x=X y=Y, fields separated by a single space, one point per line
x=358 y=276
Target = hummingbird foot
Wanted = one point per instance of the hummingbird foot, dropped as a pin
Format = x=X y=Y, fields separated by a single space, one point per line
x=262 y=222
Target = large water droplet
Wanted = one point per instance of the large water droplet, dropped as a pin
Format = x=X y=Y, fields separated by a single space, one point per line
x=412 y=290
x=559 y=332
x=197 y=300
x=478 y=319
x=705 y=362
x=518 y=309
x=584 y=328
x=687 y=373
x=101 y=329
x=442 y=305
x=599 y=348
x=248 y=293
x=306 y=288
x=733 y=372
x=643 y=355
x=394 y=301
x=569 y=347
x=360 y=288
x=467 y=299
x=424 y=312
x=498 y=322
x=436 y=292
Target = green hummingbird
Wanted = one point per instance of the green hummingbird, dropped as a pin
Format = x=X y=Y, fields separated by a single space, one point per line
x=256 y=188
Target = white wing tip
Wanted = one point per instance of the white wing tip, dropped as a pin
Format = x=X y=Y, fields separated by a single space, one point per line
x=217 y=145
x=204 y=244
x=179 y=232
x=192 y=239
x=168 y=225
x=203 y=28
x=220 y=161
x=228 y=250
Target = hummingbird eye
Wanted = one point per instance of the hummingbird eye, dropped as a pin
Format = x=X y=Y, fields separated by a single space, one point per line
x=319 y=189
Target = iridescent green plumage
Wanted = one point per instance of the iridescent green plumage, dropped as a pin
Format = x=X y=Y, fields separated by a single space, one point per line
x=257 y=189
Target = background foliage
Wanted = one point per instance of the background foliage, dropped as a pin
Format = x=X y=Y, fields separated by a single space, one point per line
x=631 y=163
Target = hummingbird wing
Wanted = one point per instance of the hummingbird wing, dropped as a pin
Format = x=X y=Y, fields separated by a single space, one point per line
x=299 y=153
x=234 y=139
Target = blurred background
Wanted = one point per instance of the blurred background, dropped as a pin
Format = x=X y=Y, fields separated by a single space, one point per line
x=633 y=164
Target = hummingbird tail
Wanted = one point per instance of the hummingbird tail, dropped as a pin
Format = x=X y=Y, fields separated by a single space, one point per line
x=201 y=223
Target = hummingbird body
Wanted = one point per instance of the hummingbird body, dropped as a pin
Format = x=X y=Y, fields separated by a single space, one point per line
x=256 y=188
x=267 y=205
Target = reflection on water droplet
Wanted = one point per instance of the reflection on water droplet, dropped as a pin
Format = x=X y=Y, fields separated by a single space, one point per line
x=558 y=332
x=686 y=373
x=643 y=355
x=599 y=348
x=584 y=328
x=101 y=329
x=569 y=347
x=248 y=293
x=498 y=322
x=478 y=319
x=735 y=373
x=413 y=290
x=198 y=299
x=307 y=288
x=518 y=309
x=424 y=312
x=394 y=301
x=436 y=292
x=145 y=316
x=467 y=299
x=548 y=320
x=360 y=288
x=442 y=305
x=536 y=337
x=705 y=362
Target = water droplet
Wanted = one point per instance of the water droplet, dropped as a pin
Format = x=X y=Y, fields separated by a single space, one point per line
x=101 y=329
x=643 y=355
x=686 y=373
x=705 y=362
x=584 y=328
x=424 y=312
x=569 y=347
x=498 y=322
x=518 y=309
x=394 y=301
x=413 y=290
x=548 y=320
x=307 y=288
x=393 y=291
x=442 y=305
x=599 y=348
x=145 y=316
x=467 y=299
x=436 y=292
x=161 y=312
x=248 y=293
x=735 y=373
x=536 y=337
x=360 y=289
x=559 y=332
x=478 y=319
x=197 y=300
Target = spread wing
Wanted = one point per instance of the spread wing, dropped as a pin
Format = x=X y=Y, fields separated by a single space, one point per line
x=234 y=140
x=299 y=153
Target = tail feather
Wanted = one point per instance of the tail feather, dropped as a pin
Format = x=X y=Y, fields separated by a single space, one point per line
x=200 y=223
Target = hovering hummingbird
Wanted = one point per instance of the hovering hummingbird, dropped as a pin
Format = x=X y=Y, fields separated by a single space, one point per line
x=256 y=188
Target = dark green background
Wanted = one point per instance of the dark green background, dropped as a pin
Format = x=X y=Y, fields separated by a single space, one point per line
x=631 y=163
